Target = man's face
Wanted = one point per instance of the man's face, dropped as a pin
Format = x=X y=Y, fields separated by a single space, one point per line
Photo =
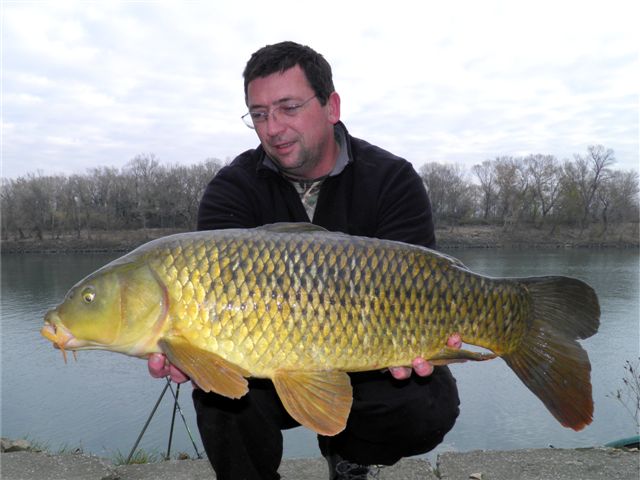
x=302 y=145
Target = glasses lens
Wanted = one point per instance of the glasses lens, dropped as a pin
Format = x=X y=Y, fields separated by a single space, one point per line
x=251 y=119
x=246 y=118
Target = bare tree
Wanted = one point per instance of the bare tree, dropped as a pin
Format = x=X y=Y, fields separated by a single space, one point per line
x=486 y=176
x=198 y=176
x=618 y=198
x=449 y=191
x=143 y=170
x=79 y=203
x=545 y=174
x=8 y=208
x=512 y=188
x=104 y=195
x=34 y=201
x=591 y=171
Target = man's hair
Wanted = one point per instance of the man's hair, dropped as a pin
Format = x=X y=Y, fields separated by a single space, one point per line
x=285 y=55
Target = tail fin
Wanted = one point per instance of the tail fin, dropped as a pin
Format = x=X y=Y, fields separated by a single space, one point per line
x=550 y=361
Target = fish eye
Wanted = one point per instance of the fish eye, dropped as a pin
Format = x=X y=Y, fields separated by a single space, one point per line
x=88 y=294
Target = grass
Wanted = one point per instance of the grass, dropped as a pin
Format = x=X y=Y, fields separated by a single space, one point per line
x=629 y=395
x=140 y=457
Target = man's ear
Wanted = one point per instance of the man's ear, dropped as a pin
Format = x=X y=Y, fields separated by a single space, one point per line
x=333 y=108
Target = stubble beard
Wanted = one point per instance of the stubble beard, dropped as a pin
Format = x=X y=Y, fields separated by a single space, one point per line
x=307 y=160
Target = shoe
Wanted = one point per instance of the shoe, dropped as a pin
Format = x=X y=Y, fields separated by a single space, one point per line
x=341 y=469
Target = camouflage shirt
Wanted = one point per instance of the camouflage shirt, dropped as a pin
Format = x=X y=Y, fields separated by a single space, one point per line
x=309 y=189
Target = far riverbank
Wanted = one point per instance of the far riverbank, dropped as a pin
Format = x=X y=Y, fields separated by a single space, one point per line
x=463 y=236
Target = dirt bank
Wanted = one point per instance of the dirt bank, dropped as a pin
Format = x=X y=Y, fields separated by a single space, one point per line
x=483 y=236
x=486 y=236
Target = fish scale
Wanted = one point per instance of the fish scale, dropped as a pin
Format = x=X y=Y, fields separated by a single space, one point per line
x=302 y=306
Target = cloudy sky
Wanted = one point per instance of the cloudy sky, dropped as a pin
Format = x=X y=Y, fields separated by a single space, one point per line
x=95 y=83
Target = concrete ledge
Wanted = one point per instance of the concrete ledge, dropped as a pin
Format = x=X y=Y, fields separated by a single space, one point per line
x=34 y=465
x=543 y=464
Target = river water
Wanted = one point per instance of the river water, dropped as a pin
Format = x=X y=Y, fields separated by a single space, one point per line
x=100 y=402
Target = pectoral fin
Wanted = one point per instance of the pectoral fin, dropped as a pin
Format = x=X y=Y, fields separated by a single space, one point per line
x=320 y=401
x=454 y=355
x=209 y=371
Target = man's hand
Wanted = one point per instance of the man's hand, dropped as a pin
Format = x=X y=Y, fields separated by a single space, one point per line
x=159 y=367
x=420 y=365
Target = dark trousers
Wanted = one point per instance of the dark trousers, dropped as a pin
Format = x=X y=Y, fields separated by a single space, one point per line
x=389 y=419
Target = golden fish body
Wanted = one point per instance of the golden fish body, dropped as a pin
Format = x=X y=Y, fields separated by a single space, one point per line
x=280 y=301
x=302 y=306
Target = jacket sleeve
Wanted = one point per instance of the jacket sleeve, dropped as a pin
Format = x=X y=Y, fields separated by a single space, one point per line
x=404 y=209
x=226 y=202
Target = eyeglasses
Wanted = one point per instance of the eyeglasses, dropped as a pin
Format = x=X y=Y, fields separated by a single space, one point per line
x=289 y=109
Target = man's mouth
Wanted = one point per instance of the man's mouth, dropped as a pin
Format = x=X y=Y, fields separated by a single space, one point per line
x=279 y=147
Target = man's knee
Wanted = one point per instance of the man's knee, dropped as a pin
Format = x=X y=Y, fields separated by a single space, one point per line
x=433 y=414
x=394 y=419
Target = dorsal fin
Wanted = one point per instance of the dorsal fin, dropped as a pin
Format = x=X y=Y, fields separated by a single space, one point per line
x=293 y=227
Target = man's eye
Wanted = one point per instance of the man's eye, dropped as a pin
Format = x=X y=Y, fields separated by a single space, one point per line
x=290 y=109
x=258 y=115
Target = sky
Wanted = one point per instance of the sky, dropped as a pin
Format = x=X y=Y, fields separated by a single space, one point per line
x=94 y=83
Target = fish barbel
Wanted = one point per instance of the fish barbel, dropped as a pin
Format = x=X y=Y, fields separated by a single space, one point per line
x=302 y=306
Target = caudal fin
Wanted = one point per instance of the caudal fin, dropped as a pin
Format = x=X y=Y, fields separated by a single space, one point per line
x=550 y=361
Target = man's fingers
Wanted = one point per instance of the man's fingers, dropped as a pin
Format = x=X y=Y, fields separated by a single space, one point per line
x=419 y=365
x=157 y=365
x=400 y=373
x=454 y=341
x=160 y=368
x=422 y=367
x=177 y=375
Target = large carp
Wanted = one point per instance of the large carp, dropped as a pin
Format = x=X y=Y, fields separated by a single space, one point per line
x=302 y=306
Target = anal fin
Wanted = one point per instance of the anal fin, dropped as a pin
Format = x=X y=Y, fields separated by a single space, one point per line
x=209 y=371
x=455 y=355
x=320 y=400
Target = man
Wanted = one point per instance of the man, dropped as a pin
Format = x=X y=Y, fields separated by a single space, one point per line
x=308 y=168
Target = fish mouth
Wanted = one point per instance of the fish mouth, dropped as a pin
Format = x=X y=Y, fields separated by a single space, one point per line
x=58 y=334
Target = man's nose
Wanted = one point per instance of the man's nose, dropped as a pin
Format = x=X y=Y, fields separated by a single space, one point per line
x=274 y=124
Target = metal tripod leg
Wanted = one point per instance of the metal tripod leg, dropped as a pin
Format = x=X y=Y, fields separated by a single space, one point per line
x=144 y=429
x=176 y=407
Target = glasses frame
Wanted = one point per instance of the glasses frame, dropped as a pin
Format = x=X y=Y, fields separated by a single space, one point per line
x=292 y=110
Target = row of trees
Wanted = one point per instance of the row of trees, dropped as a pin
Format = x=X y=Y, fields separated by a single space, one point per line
x=537 y=189
x=143 y=194
x=509 y=191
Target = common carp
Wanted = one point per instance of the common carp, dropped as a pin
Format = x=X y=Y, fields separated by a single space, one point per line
x=302 y=306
